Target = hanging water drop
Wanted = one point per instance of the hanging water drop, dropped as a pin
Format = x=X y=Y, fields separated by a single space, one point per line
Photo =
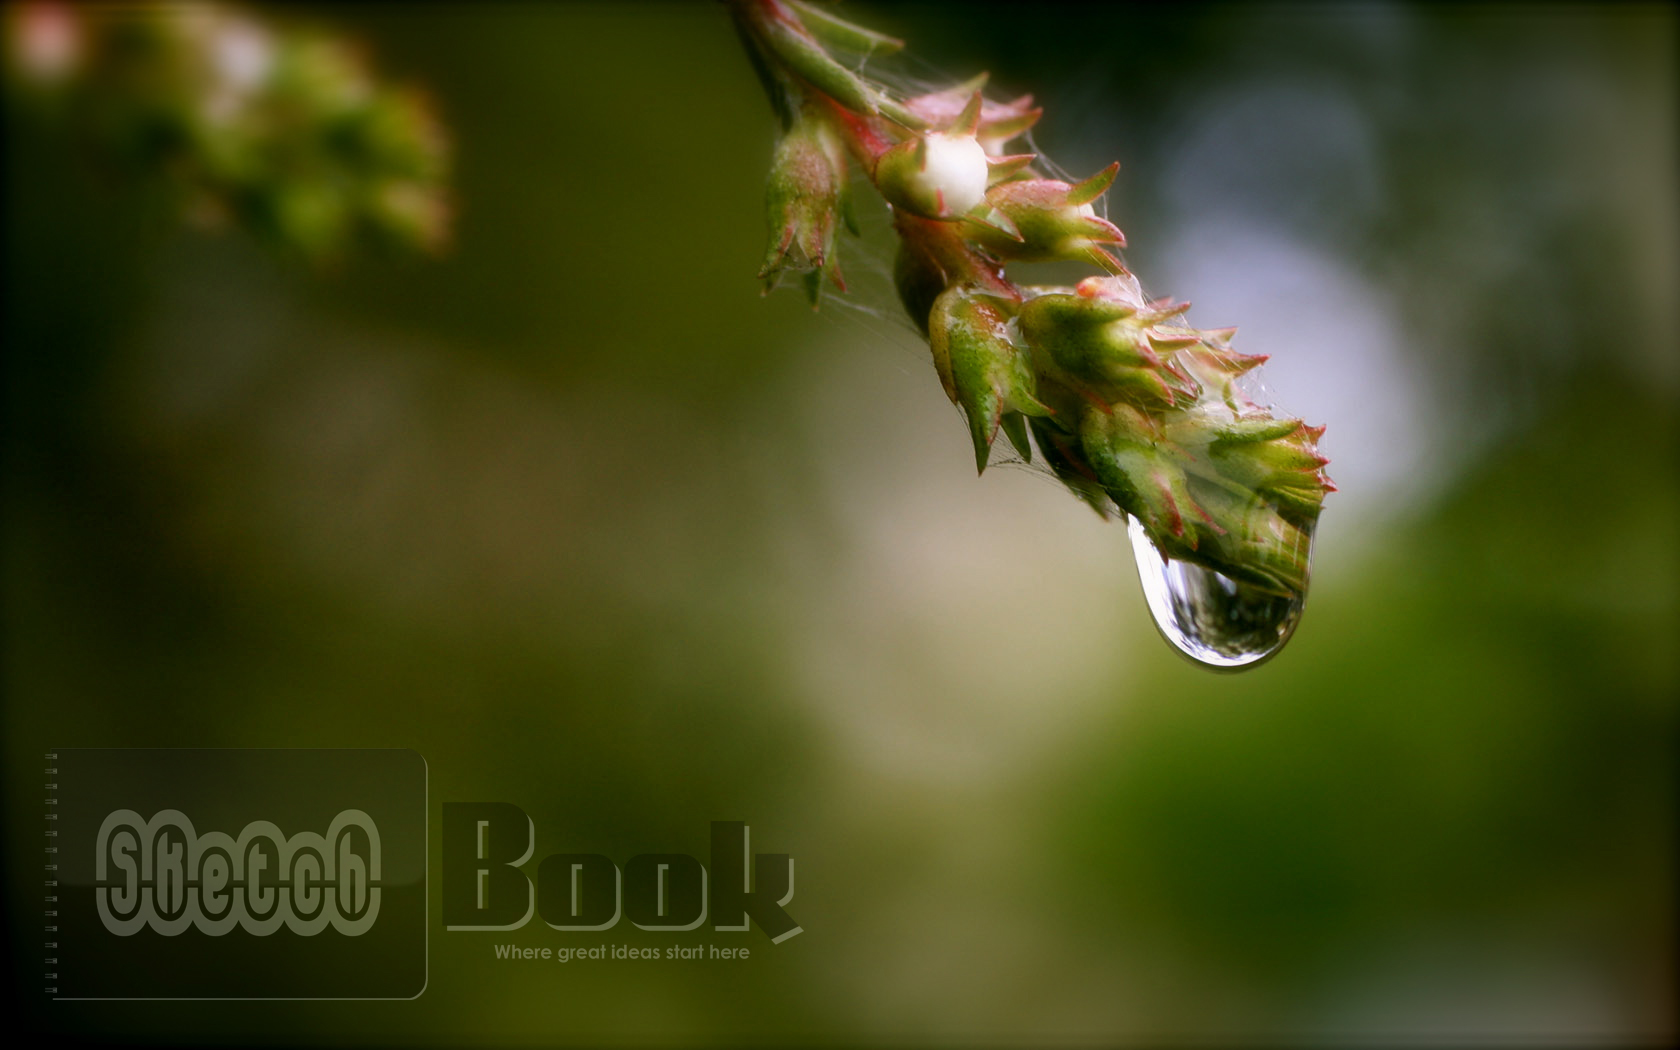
x=1218 y=622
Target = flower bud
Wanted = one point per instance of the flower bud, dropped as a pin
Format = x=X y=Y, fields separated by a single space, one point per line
x=935 y=175
x=981 y=367
x=1046 y=220
x=1276 y=458
x=995 y=123
x=1192 y=508
x=793 y=45
x=804 y=203
x=1159 y=427
x=1102 y=348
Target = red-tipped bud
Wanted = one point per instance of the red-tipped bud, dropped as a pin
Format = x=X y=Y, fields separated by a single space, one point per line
x=804 y=201
x=1140 y=474
x=981 y=367
x=1193 y=505
x=1098 y=346
x=1053 y=221
x=998 y=123
x=1276 y=458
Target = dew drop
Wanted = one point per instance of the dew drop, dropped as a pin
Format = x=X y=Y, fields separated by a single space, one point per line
x=1216 y=621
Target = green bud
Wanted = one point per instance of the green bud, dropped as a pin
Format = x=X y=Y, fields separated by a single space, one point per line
x=1100 y=346
x=1277 y=459
x=1253 y=542
x=981 y=367
x=1045 y=220
x=841 y=33
x=779 y=27
x=1122 y=447
x=804 y=202
x=1239 y=496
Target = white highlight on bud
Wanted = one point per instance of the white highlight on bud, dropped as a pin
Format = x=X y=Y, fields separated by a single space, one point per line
x=953 y=172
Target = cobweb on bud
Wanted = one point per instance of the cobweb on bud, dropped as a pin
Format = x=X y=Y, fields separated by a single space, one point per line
x=871 y=301
x=894 y=72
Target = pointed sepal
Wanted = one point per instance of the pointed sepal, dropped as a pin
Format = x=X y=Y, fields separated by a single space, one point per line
x=837 y=32
x=991 y=218
x=1014 y=427
x=1001 y=169
x=780 y=29
x=804 y=204
x=997 y=124
x=1090 y=189
x=1101 y=347
x=1053 y=225
x=1010 y=121
x=980 y=366
x=968 y=121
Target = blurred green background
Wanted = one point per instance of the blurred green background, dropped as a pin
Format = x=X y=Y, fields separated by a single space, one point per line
x=576 y=515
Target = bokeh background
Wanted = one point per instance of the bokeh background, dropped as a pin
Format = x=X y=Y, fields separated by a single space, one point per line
x=599 y=532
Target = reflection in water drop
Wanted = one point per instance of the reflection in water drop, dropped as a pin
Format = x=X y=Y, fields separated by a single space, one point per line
x=1216 y=621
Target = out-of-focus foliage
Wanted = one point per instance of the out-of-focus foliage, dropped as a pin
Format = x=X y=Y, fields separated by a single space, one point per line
x=576 y=516
x=281 y=130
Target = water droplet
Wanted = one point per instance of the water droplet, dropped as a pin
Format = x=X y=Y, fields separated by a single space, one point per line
x=1216 y=621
